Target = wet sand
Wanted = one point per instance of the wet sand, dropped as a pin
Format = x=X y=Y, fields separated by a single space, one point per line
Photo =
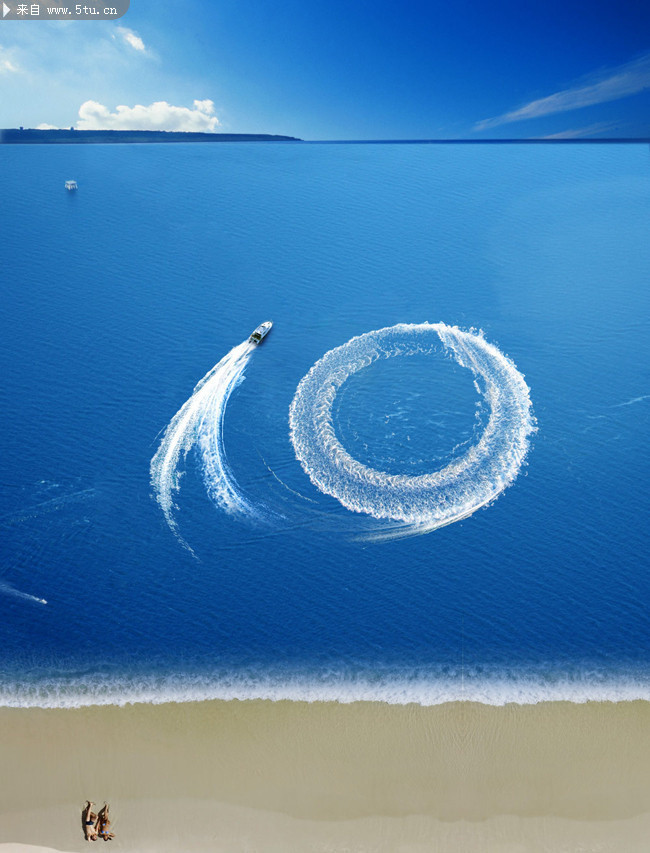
x=294 y=776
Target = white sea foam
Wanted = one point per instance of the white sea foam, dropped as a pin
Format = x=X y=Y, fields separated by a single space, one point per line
x=51 y=505
x=632 y=401
x=419 y=503
x=426 y=687
x=200 y=422
x=411 y=504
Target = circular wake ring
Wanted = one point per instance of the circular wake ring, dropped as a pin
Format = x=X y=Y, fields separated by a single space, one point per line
x=428 y=500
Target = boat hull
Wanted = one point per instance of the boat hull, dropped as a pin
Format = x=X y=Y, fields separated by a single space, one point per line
x=260 y=332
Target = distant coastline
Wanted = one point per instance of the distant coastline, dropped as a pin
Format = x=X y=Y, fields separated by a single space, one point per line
x=30 y=136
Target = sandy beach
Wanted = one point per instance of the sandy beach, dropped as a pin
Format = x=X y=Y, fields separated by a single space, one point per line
x=294 y=776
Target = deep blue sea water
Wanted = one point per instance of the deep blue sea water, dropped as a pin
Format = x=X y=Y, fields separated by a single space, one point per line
x=118 y=298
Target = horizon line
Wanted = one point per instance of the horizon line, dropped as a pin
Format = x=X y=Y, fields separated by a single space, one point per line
x=215 y=135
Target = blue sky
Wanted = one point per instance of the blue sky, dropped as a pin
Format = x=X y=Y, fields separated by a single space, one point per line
x=338 y=70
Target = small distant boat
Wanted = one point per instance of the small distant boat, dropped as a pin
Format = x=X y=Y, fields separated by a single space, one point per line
x=261 y=332
x=71 y=185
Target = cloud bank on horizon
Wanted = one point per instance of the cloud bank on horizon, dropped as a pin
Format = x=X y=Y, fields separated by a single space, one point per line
x=628 y=79
x=157 y=116
x=94 y=68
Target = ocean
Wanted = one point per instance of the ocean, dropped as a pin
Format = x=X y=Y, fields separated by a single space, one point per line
x=250 y=561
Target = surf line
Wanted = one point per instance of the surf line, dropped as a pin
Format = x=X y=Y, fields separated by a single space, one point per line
x=200 y=422
x=419 y=504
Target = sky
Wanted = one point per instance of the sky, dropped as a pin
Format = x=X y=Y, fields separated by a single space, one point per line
x=338 y=69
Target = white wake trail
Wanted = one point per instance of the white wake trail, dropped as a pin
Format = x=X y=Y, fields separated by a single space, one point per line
x=200 y=422
x=9 y=589
x=417 y=503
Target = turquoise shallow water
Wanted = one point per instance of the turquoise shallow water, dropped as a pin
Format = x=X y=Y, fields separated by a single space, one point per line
x=119 y=298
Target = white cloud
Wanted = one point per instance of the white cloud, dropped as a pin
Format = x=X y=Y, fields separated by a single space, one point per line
x=157 y=116
x=131 y=38
x=45 y=126
x=621 y=82
x=582 y=132
x=7 y=66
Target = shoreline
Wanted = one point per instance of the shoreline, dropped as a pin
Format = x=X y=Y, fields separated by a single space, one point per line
x=394 y=686
x=261 y=775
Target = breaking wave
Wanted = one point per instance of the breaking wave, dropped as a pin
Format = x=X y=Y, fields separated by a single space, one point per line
x=426 y=686
x=200 y=422
x=428 y=501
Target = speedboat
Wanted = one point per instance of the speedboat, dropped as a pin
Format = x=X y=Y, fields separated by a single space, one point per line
x=261 y=332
